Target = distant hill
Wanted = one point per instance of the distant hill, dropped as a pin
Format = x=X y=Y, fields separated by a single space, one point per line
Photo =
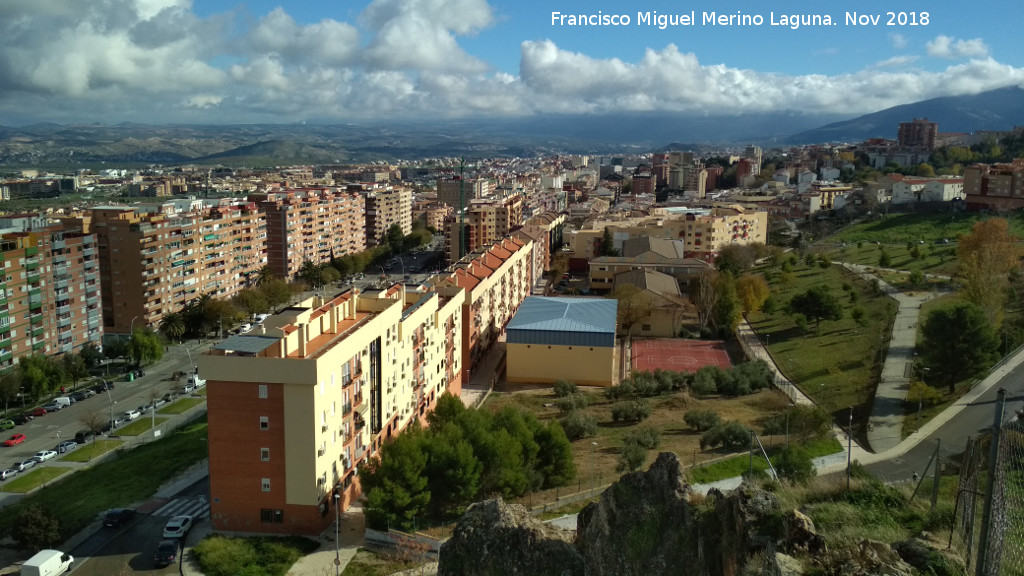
x=999 y=109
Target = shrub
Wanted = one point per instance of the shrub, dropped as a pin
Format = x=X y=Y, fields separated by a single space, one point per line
x=579 y=424
x=728 y=435
x=794 y=464
x=704 y=382
x=222 y=556
x=631 y=411
x=623 y=390
x=701 y=420
x=567 y=404
x=645 y=436
x=802 y=421
x=631 y=457
x=565 y=388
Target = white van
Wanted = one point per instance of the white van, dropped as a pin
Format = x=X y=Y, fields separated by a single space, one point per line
x=64 y=401
x=48 y=563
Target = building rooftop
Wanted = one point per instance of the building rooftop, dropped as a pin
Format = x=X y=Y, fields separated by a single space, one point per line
x=589 y=315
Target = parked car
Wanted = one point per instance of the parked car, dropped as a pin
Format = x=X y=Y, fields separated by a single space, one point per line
x=118 y=516
x=132 y=415
x=103 y=387
x=82 y=395
x=188 y=388
x=166 y=553
x=44 y=455
x=22 y=418
x=14 y=440
x=84 y=436
x=51 y=407
x=9 y=473
x=178 y=527
x=38 y=412
x=66 y=446
x=25 y=465
x=6 y=425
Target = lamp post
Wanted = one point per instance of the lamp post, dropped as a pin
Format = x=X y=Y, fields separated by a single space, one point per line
x=22 y=397
x=593 y=474
x=131 y=333
x=111 y=402
x=195 y=368
x=337 y=533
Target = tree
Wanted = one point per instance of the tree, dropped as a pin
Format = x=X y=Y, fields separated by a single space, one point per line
x=752 y=290
x=631 y=457
x=173 y=325
x=35 y=529
x=794 y=463
x=817 y=303
x=251 y=301
x=802 y=421
x=735 y=259
x=607 y=245
x=706 y=297
x=564 y=388
x=91 y=354
x=310 y=273
x=395 y=482
x=728 y=309
x=728 y=435
x=452 y=470
x=276 y=291
x=701 y=420
x=884 y=260
x=145 y=346
x=925 y=170
x=394 y=238
x=987 y=256
x=39 y=374
x=94 y=421
x=264 y=275
x=75 y=368
x=634 y=305
x=958 y=342
x=578 y=424
x=10 y=385
x=554 y=457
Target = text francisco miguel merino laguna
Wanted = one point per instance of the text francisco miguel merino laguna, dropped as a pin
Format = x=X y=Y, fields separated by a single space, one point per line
x=739 y=19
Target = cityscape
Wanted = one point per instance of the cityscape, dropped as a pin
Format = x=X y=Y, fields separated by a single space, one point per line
x=598 y=307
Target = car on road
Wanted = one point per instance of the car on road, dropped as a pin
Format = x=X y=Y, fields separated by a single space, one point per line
x=25 y=465
x=14 y=440
x=8 y=474
x=84 y=436
x=66 y=446
x=38 y=412
x=178 y=526
x=132 y=415
x=22 y=418
x=118 y=516
x=52 y=406
x=103 y=387
x=6 y=424
x=44 y=455
x=188 y=388
x=81 y=395
x=166 y=553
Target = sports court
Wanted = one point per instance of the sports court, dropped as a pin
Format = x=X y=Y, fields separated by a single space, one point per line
x=679 y=355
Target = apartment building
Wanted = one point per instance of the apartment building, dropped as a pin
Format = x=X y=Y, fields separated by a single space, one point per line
x=385 y=208
x=155 y=262
x=433 y=214
x=297 y=405
x=706 y=234
x=995 y=186
x=452 y=191
x=49 y=302
x=909 y=190
x=486 y=222
x=918 y=134
x=492 y=284
x=311 y=225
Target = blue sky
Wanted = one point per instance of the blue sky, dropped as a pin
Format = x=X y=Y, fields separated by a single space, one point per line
x=180 y=61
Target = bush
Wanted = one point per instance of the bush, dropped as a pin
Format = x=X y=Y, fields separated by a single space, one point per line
x=631 y=457
x=794 y=464
x=567 y=404
x=565 y=388
x=631 y=411
x=802 y=421
x=701 y=420
x=222 y=556
x=704 y=382
x=579 y=424
x=728 y=435
x=36 y=528
x=645 y=436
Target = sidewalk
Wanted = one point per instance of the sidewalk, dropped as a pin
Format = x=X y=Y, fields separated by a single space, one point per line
x=350 y=539
x=484 y=378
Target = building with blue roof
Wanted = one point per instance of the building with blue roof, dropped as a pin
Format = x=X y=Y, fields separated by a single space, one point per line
x=570 y=338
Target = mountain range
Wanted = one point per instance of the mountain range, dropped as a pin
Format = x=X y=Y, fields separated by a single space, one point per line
x=95 y=145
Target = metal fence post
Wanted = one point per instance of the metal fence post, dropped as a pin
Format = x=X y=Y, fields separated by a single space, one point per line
x=993 y=457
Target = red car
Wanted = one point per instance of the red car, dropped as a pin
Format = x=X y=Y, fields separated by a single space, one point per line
x=14 y=440
x=38 y=411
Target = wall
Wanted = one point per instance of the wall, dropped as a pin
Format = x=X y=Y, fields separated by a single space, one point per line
x=544 y=364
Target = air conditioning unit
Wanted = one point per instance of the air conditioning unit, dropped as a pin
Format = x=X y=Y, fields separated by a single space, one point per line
x=323 y=428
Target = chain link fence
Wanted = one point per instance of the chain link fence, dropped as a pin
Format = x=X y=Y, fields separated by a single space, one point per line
x=990 y=536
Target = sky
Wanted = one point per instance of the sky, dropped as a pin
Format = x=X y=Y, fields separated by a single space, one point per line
x=223 y=61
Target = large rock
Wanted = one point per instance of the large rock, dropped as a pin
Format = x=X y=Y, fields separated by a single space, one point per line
x=497 y=539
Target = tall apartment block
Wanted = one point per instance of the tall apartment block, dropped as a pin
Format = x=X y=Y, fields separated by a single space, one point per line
x=154 y=263
x=918 y=134
x=451 y=191
x=995 y=186
x=50 y=298
x=384 y=209
x=311 y=225
x=295 y=407
x=486 y=221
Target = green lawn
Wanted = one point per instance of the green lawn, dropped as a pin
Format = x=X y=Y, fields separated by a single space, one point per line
x=91 y=450
x=903 y=228
x=739 y=465
x=181 y=405
x=367 y=563
x=140 y=426
x=33 y=478
x=77 y=499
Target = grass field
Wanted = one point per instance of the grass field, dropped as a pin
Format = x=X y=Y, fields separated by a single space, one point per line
x=140 y=426
x=739 y=465
x=181 y=405
x=903 y=228
x=33 y=478
x=91 y=450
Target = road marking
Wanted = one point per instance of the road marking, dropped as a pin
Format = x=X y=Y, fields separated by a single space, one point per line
x=196 y=508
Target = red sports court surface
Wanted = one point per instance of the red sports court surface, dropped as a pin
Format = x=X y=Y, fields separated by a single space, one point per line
x=679 y=355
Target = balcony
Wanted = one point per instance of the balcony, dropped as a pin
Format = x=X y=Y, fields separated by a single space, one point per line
x=346 y=409
x=38 y=345
x=37 y=332
x=36 y=318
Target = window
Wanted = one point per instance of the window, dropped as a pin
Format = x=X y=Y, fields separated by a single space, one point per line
x=263 y=391
x=266 y=516
x=278 y=516
x=264 y=423
x=266 y=484
x=265 y=454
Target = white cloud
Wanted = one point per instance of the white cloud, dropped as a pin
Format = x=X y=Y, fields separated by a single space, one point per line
x=895 y=62
x=420 y=34
x=899 y=41
x=951 y=48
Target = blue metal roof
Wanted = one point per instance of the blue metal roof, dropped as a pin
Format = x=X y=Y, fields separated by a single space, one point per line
x=564 y=321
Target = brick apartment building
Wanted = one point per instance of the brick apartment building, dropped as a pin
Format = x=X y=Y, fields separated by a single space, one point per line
x=311 y=225
x=153 y=263
x=995 y=186
x=451 y=191
x=486 y=221
x=297 y=405
x=384 y=209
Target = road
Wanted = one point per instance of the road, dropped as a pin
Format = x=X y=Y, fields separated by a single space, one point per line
x=973 y=420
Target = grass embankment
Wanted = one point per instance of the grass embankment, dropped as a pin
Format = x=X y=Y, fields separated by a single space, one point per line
x=181 y=405
x=94 y=449
x=140 y=426
x=133 y=475
x=739 y=465
x=367 y=563
x=34 y=478
x=258 y=555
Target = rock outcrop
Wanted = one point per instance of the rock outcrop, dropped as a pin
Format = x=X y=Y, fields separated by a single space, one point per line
x=497 y=539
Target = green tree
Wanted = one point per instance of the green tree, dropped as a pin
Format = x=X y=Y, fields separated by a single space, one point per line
x=884 y=260
x=735 y=259
x=10 y=385
x=958 y=342
x=728 y=309
x=251 y=301
x=145 y=346
x=564 y=388
x=801 y=421
x=607 y=245
x=394 y=238
x=35 y=529
x=817 y=303
x=38 y=374
x=453 y=471
x=794 y=463
x=701 y=420
x=173 y=325
x=276 y=292
x=578 y=424
x=752 y=290
x=916 y=278
x=74 y=367
x=634 y=305
x=91 y=354
x=728 y=435
x=446 y=410
x=554 y=459
x=631 y=457
x=986 y=258
x=395 y=482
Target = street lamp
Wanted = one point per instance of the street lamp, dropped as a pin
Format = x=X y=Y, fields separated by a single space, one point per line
x=111 y=401
x=337 y=531
x=131 y=332
x=195 y=368
x=593 y=475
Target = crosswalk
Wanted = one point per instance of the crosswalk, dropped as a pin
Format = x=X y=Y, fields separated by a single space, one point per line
x=198 y=508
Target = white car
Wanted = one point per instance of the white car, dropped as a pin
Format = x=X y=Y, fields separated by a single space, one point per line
x=132 y=415
x=178 y=527
x=44 y=455
x=9 y=473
